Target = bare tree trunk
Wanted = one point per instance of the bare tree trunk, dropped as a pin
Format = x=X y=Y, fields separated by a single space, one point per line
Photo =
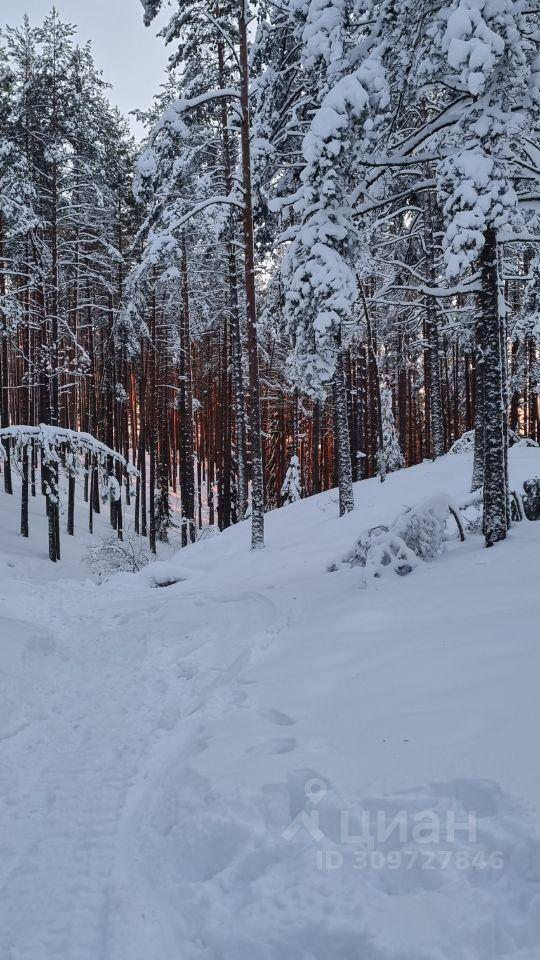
x=432 y=331
x=236 y=339
x=151 y=428
x=257 y=477
x=4 y=368
x=375 y=390
x=24 y=492
x=53 y=513
x=187 y=479
x=71 y=504
x=495 y=465
x=479 y=415
x=343 y=446
x=315 y=445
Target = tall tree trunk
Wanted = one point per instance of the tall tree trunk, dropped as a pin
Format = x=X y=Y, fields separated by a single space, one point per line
x=236 y=338
x=343 y=446
x=257 y=477
x=187 y=477
x=436 y=414
x=4 y=368
x=71 y=504
x=315 y=448
x=151 y=427
x=24 y=491
x=479 y=414
x=375 y=390
x=495 y=463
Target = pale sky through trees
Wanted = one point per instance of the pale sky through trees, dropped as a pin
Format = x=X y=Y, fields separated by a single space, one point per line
x=131 y=56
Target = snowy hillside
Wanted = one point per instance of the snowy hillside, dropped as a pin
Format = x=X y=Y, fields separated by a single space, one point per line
x=185 y=771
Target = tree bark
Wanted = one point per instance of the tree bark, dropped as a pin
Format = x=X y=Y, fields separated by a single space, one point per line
x=343 y=446
x=187 y=479
x=495 y=465
x=257 y=476
x=436 y=414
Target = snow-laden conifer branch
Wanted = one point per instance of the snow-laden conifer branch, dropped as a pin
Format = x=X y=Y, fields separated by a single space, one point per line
x=51 y=439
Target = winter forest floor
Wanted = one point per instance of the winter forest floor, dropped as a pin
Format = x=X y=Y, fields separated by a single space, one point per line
x=156 y=744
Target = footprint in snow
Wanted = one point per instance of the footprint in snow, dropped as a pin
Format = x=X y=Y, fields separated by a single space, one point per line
x=277 y=717
x=276 y=745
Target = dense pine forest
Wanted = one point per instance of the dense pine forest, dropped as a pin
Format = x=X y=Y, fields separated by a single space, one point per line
x=319 y=266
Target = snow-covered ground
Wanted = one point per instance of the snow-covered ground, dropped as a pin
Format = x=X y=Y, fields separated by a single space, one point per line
x=186 y=771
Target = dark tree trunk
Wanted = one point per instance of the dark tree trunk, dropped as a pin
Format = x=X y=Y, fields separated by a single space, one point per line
x=24 y=491
x=315 y=448
x=257 y=476
x=479 y=415
x=236 y=339
x=376 y=426
x=187 y=477
x=4 y=369
x=436 y=414
x=343 y=447
x=495 y=465
x=71 y=504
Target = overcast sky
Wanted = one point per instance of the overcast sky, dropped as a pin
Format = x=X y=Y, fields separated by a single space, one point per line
x=131 y=56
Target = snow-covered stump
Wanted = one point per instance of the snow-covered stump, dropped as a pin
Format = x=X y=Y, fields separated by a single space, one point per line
x=72 y=452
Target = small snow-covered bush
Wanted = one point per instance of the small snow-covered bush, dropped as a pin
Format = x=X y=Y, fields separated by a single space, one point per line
x=423 y=527
x=423 y=533
x=380 y=550
x=417 y=535
x=111 y=555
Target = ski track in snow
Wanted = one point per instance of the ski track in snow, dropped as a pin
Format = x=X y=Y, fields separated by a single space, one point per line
x=69 y=809
x=155 y=744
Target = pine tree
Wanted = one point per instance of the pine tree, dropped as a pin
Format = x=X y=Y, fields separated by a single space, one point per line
x=393 y=456
x=292 y=484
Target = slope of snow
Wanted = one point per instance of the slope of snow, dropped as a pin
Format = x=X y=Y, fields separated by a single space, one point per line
x=185 y=771
x=20 y=558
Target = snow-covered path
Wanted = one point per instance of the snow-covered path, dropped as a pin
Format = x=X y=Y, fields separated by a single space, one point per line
x=88 y=717
x=69 y=770
x=156 y=744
